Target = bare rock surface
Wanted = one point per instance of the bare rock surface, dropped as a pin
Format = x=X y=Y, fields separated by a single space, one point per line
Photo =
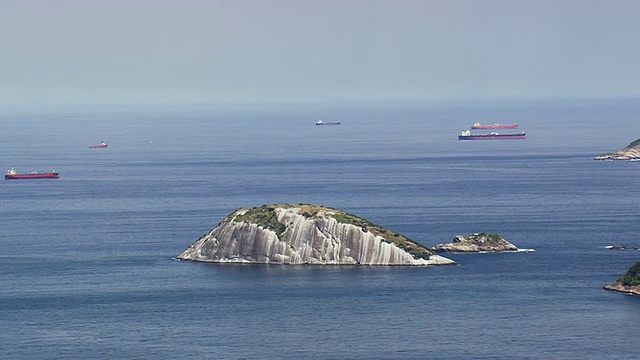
x=619 y=287
x=631 y=152
x=306 y=234
x=477 y=242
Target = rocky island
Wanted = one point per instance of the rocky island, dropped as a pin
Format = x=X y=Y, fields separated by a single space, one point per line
x=306 y=234
x=622 y=247
x=631 y=152
x=477 y=242
x=629 y=283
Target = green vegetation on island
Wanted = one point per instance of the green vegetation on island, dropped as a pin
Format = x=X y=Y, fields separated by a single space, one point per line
x=632 y=277
x=633 y=144
x=492 y=238
x=266 y=217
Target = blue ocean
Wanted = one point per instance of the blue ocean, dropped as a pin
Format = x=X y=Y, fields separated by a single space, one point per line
x=87 y=260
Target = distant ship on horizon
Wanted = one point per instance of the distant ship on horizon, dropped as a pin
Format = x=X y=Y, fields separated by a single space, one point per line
x=320 y=122
x=11 y=174
x=478 y=125
x=102 y=145
x=467 y=135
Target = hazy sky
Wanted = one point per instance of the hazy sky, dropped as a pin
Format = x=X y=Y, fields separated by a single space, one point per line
x=322 y=50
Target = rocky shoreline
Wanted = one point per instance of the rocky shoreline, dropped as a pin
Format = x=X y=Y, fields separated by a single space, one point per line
x=631 y=152
x=629 y=283
x=621 y=288
x=478 y=242
x=622 y=247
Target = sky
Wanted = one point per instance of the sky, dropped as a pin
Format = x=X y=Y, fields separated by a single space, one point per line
x=289 y=51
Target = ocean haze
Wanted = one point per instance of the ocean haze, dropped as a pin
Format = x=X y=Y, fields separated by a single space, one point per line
x=300 y=51
x=209 y=106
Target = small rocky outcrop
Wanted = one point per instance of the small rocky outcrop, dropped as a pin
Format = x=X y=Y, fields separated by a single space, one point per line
x=631 y=152
x=629 y=283
x=476 y=243
x=306 y=234
x=622 y=247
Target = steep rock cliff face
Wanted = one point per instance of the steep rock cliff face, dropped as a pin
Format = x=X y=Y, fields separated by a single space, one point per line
x=631 y=152
x=305 y=234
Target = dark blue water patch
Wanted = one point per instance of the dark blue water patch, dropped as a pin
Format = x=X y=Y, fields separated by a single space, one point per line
x=88 y=260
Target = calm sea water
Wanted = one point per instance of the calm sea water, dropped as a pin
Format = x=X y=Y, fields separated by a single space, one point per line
x=87 y=260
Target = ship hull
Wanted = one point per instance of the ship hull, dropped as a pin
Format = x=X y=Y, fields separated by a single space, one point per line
x=492 y=137
x=98 y=147
x=31 y=176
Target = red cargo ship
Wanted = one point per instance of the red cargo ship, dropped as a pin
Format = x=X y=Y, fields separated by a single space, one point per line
x=477 y=125
x=11 y=175
x=467 y=135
